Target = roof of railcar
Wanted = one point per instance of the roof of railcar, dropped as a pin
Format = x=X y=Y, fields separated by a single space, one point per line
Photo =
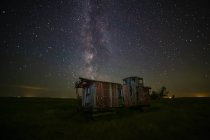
x=85 y=79
x=132 y=77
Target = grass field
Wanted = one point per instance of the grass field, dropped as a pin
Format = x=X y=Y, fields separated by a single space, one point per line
x=58 y=119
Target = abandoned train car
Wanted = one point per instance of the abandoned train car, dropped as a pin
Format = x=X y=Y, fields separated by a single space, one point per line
x=99 y=95
x=135 y=93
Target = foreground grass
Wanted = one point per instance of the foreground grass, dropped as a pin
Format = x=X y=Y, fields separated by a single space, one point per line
x=43 y=118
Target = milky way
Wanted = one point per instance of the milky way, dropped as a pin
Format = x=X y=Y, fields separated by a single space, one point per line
x=94 y=38
x=49 y=44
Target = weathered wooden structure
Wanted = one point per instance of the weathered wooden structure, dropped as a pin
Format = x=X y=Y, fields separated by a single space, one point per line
x=135 y=93
x=100 y=95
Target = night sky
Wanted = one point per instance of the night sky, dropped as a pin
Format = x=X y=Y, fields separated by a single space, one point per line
x=45 y=45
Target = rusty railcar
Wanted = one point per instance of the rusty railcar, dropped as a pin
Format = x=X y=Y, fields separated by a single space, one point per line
x=101 y=95
x=135 y=93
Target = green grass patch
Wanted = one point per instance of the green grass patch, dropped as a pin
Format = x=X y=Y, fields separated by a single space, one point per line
x=46 y=118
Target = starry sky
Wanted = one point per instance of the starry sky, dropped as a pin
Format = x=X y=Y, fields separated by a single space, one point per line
x=45 y=45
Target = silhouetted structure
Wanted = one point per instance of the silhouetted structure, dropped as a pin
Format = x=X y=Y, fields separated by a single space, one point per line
x=135 y=93
x=101 y=95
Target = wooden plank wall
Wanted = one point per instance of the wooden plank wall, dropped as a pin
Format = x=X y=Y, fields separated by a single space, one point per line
x=106 y=95
x=114 y=96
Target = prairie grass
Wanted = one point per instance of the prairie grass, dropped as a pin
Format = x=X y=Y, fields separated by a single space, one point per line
x=58 y=119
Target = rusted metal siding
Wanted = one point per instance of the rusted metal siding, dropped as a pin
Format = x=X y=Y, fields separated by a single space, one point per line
x=146 y=96
x=135 y=93
x=99 y=94
x=116 y=95
x=130 y=95
x=107 y=95
x=126 y=93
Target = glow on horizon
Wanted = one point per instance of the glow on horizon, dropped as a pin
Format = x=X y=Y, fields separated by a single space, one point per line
x=201 y=94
